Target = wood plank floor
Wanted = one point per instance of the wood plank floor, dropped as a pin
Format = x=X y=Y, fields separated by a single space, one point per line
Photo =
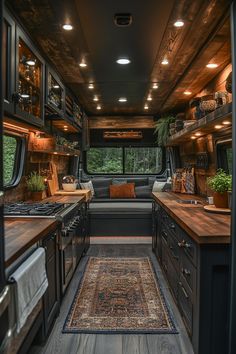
x=59 y=343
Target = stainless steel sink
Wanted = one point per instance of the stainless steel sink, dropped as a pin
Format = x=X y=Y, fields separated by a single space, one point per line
x=189 y=201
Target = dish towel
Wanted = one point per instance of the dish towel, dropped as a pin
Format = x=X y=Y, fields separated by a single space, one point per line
x=31 y=283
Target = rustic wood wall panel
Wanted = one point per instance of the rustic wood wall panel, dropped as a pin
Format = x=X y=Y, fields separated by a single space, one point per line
x=138 y=122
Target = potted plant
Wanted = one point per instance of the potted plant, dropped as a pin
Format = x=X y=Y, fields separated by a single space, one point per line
x=162 y=129
x=220 y=184
x=36 y=186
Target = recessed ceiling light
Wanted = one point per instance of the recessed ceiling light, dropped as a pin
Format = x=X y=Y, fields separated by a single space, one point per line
x=24 y=95
x=146 y=106
x=30 y=62
x=56 y=86
x=95 y=98
x=155 y=86
x=65 y=126
x=123 y=61
x=179 y=23
x=99 y=107
x=226 y=122
x=165 y=61
x=82 y=64
x=198 y=134
x=187 y=93
x=193 y=137
x=91 y=86
x=55 y=153
x=212 y=65
x=67 y=27
x=218 y=126
x=65 y=129
x=149 y=98
x=122 y=99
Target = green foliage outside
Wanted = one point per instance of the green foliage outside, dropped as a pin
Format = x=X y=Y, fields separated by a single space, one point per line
x=221 y=182
x=9 y=154
x=136 y=160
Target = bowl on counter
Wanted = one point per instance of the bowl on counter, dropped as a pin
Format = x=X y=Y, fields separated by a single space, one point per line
x=69 y=187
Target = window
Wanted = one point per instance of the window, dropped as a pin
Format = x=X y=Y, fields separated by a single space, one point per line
x=224 y=156
x=13 y=159
x=126 y=160
x=104 y=160
x=143 y=160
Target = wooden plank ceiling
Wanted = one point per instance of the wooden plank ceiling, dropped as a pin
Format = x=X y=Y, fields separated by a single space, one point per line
x=95 y=39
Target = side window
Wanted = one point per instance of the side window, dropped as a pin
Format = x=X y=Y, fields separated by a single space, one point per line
x=225 y=156
x=12 y=159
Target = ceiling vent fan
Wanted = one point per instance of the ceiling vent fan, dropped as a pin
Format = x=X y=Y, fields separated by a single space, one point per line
x=123 y=20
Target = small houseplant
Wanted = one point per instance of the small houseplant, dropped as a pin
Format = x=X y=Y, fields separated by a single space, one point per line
x=220 y=184
x=162 y=129
x=36 y=186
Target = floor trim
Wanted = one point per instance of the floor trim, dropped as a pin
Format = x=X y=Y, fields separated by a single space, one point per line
x=116 y=240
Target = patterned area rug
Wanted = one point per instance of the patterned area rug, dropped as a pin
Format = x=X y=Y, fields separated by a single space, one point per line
x=119 y=295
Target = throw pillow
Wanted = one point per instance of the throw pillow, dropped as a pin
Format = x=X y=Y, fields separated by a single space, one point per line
x=122 y=191
x=158 y=186
x=102 y=192
x=143 y=191
x=87 y=185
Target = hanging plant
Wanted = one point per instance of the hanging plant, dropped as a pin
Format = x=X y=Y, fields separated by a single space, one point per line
x=162 y=130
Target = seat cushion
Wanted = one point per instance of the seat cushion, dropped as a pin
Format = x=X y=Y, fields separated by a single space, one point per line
x=102 y=192
x=138 y=181
x=122 y=191
x=101 y=182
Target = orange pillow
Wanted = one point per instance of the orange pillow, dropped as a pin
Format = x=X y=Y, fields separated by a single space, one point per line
x=122 y=190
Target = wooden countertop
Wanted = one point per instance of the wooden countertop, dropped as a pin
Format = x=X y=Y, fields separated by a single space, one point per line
x=64 y=199
x=21 y=234
x=202 y=226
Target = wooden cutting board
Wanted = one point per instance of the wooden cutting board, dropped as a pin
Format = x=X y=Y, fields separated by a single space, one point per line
x=213 y=209
x=55 y=175
x=51 y=187
x=78 y=192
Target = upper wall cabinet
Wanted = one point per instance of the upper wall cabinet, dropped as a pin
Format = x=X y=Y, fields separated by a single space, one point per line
x=29 y=81
x=72 y=110
x=8 y=60
x=55 y=93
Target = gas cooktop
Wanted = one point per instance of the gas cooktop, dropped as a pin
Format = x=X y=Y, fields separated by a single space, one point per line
x=34 y=209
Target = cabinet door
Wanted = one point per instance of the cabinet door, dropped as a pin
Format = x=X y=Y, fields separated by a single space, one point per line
x=51 y=297
x=85 y=134
x=8 y=62
x=29 y=81
x=55 y=92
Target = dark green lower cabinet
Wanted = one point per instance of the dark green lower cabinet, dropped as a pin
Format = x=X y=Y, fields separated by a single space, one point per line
x=51 y=298
x=198 y=275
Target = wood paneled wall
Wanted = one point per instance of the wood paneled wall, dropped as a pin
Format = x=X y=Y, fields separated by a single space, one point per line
x=189 y=150
x=36 y=162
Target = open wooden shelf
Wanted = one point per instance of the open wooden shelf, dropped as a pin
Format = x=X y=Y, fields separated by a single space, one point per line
x=205 y=125
x=69 y=152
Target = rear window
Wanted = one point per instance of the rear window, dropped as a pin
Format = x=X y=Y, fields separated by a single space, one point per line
x=13 y=159
x=124 y=160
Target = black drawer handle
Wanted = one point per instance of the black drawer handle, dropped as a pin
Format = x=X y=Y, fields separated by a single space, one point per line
x=186 y=271
x=173 y=255
x=164 y=234
x=183 y=290
x=184 y=244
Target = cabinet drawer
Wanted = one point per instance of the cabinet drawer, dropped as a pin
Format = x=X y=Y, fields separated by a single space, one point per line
x=49 y=245
x=172 y=278
x=188 y=271
x=174 y=250
x=185 y=303
x=188 y=246
x=164 y=257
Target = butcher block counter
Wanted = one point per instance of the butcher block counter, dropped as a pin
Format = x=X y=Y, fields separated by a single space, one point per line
x=202 y=226
x=64 y=199
x=21 y=234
